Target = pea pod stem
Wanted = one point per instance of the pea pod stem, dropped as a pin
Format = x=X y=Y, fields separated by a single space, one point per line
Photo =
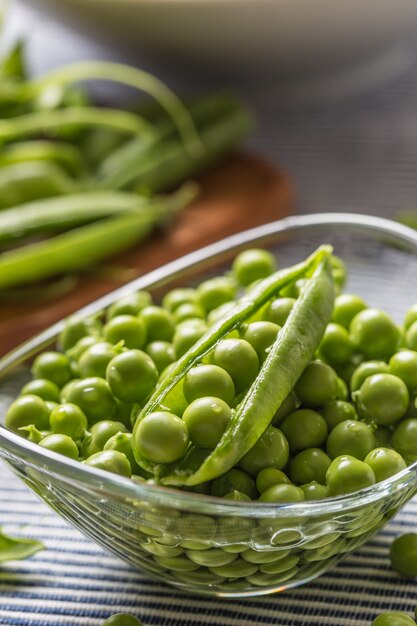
x=84 y=246
x=130 y=76
x=251 y=302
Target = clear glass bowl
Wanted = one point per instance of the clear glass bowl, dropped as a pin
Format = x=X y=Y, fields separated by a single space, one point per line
x=204 y=544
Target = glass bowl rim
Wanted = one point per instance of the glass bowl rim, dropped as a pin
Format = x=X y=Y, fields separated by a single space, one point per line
x=119 y=487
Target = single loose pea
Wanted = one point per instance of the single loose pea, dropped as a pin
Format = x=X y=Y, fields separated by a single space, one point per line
x=252 y=265
x=351 y=437
x=189 y=310
x=385 y=462
x=338 y=411
x=393 y=618
x=404 y=439
x=216 y=291
x=110 y=461
x=206 y=419
x=336 y=347
x=278 y=310
x=208 y=380
x=27 y=410
x=234 y=480
x=94 y=398
x=52 y=366
x=261 y=336
x=132 y=304
x=346 y=474
x=383 y=398
x=76 y=328
x=80 y=347
x=45 y=389
x=95 y=359
x=271 y=450
x=122 y=619
x=239 y=359
x=186 y=334
x=373 y=333
x=127 y=328
x=404 y=365
x=411 y=337
x=314 y=491
x=317 y=384
x=282 y=493
x=132 y=375
x=410 y=316
x=288 y=406
x=99 y=434
x=346 y=306
x=161 y=437
x=270 y=476
x=303 y=429
x=403 y=555
x=162 y=354
x=309 y=465
x=62 y=444
x=122 y=442
x=176 y=297
x=68 y=419
x=366 y=369
x=159 y=323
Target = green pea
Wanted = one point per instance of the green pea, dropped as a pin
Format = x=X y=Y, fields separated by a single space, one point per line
x=186 y=334
x=336 y=347
x=303 y=429
x=161 y=437
x=339 y=272
x=282 y=565
x=278 y=310
x=404 y=439
x=80 y=347
x=127 y=328
x=403 y=555
x=216 y=291
x=159 y=323
x=189 y=310
x=131 y=375
x=282 y=494
x=206 y=420
x=410 y=316
x=270 y=556
x=210 y=558
x=383 y=398
x=76 y=328
x=237 y=569
x=132 y=304
x=122 y=442
x=52 y=366
x=309 y=465
x=404 y=365
x=162 y=354
x=270 y=476
x=314 y=491
x=261 y=336
x=219 y=312
x=176 y=297
x=122 y=619
x=366 y=369
x=346 y=306
x=94 y=359
x=271 y=450
x=27 y=410
x=393 y=618
x=68 y=419
x=237 y=496
x=252 y=265
x=346 y=474
x=176 y=563
x=99 y=434
x=234 y=480
x=110 y=461
x=94 y=398
x=351 y=437
x=338 y=411
x=61 y=444
x=374 y=334
x=288 y=406
x=385 y=463
x=208 y=380
x=342 y=390
x=45 y=389
x=317 y=385
x=239 y=359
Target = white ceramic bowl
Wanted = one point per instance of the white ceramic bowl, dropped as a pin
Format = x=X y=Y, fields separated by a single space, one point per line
x=292 y=36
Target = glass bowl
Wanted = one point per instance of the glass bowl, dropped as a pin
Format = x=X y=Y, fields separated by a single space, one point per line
x=200 y=543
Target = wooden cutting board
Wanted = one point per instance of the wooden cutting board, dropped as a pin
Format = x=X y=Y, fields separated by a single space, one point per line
x=242 y=192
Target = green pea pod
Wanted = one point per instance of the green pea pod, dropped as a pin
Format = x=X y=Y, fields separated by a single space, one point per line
x=13 y=64
x=17 y=548
x=248 y=304
x=64 y=154
x=84 y=246
x=24 y=182
x=64 y=212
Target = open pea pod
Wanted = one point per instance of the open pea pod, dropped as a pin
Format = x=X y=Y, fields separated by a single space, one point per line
x=286 y=360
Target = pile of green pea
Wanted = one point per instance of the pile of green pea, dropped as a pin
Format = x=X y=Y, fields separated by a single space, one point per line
x=349 y=422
